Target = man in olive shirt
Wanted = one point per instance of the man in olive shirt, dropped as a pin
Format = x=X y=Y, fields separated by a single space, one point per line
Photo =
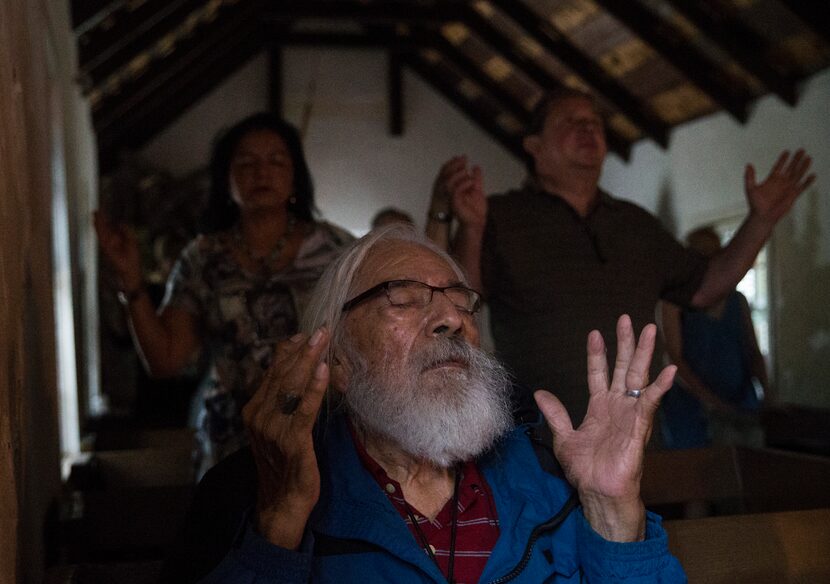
x=559 y=257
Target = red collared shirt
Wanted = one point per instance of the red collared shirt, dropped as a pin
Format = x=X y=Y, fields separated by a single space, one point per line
x=478 y=526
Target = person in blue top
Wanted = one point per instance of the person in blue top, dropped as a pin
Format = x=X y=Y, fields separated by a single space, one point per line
x=722 y=377
x=414 y=461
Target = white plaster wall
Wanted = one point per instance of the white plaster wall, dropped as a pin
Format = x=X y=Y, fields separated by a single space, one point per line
x=703 y=167
x=358 y=167
x=702 y=176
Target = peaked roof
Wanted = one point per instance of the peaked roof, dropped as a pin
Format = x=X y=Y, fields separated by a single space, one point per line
x=654 y=64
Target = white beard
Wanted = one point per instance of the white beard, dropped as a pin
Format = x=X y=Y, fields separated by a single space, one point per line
x=445 y=415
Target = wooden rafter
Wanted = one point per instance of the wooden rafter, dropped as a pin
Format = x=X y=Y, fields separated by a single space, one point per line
x=172 y=99
x=509 y=51
x=449 y=90
x=469 y=68
x=275 y=77
x=102 y=51
x=87 y=13
x=741 y=42
x=241 y=19
x=551 y=39
x=668 y=42
x=813 y=13
x=377 y=11
x=340 y=40
x=394 y=84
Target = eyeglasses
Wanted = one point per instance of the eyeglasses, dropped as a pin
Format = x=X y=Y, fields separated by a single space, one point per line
x=411 y=293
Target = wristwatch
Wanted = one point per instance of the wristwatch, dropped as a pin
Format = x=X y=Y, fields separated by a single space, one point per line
x=440 y=216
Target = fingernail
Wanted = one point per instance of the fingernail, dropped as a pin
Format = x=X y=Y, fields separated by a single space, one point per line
x=321 y=369
x=315 y=338
x=296 y=338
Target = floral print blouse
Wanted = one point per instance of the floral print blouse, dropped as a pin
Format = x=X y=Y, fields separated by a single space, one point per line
x=241 y=316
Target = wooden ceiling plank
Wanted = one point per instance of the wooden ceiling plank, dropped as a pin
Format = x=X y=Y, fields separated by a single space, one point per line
x=813 y=13
x=485 y=30
x=469 y=68
x=172 y=99
x=88 y=13
x=240 y=19
x=544 y=33
x=509 y=51
x=102 y=52
x=668 y=44
x=740 y=42
x=427 y=72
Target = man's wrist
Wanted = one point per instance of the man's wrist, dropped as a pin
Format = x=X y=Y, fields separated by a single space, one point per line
x=621 y=521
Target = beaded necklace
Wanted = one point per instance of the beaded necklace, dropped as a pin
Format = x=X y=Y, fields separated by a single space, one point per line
x=263 y=273
x=265 y=261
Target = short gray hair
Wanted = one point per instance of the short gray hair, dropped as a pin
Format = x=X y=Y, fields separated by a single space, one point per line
x=336 y=285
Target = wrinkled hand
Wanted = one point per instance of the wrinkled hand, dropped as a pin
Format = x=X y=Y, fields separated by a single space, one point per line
x=461 y=189
x=280 y=418
x=771 y=199
x=120 y=248
x=603 y=458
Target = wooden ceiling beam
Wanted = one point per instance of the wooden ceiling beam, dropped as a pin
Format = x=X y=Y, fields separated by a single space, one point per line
x=552 y=40
x=376 y=11
x=340 y=40
x=101 y=51
x=813 y=13
x=276 y=81
x=743 y=44
x=88 y=13
x=431 y=77
x=169 y=101
x=669 y=44
x=394 y=85
x=469 y=68
x=484 y=29
x=233 y=20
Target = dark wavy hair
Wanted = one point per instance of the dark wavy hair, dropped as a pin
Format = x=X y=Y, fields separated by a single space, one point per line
x=222 y=211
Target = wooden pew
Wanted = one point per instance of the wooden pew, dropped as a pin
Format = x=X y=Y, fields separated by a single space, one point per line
x=126 y=504
x=731 y=480
x=798 y=428
x=137 y=524
x=787 y=547
x=144 y=467
x=128 y=438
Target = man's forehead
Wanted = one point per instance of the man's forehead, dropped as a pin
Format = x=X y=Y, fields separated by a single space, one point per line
x=399 y=260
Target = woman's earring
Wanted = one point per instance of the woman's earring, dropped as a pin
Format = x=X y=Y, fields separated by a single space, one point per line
x=292 y=200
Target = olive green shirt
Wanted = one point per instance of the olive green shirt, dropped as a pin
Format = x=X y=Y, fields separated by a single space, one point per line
x=551 y=277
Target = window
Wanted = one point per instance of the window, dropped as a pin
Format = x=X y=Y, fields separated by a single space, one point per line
x=755 y=286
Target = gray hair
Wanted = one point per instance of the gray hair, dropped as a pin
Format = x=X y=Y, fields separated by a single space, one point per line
x=336 y=285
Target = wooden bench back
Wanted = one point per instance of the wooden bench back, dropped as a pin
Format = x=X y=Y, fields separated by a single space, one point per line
x=757 y=480
x=792 y=546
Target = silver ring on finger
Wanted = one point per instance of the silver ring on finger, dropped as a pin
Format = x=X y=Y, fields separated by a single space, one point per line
x=289 y=402
x=635 y=393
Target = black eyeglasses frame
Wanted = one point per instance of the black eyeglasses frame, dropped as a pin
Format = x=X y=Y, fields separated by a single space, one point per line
x=384 y=287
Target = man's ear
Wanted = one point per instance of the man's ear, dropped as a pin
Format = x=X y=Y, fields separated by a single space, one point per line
x=340 y=373
x=532 y=145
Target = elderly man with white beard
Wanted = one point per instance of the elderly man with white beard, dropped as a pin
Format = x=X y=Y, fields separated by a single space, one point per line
x=412 y=471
